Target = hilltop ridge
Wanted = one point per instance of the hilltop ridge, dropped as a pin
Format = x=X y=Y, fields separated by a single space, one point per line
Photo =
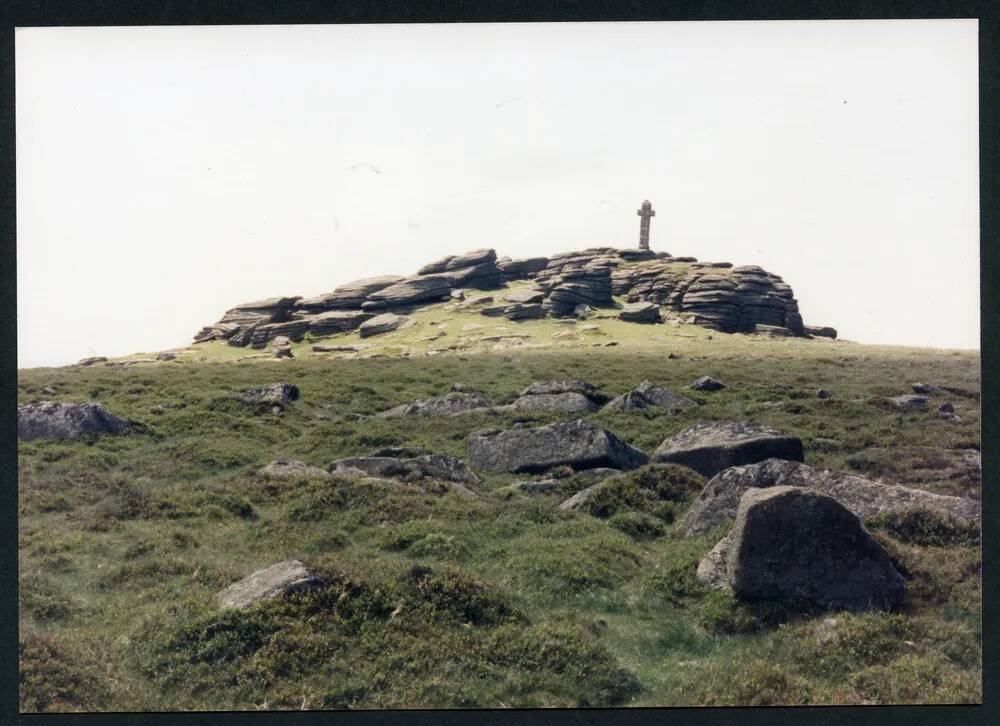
x=644 y=286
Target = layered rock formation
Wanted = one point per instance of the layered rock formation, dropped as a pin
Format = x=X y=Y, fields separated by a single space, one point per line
x=717 y=295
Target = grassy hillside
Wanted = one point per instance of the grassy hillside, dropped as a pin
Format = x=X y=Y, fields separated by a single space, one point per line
x=438 y=601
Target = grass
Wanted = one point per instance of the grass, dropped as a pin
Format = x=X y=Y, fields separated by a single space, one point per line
x=505 y=601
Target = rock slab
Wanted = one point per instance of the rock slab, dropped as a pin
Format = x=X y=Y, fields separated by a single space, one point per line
x=271 y=583
x=578 y=444
x=718 y=501
x=709 y=448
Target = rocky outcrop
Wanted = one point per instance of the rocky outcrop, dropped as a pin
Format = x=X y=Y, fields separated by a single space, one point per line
x=713 y=294
x=51 y=420
x=275 y=395
x=792 y=543
x=640 y=312
x=92 y=360
x=449 y=404
x=384 y=323
x=648 y=394
x=708 y=448
x=515 y=311
x=405 y=464
x=718 y=501
x=349 y=296
x=577 y=444
x=271 y=583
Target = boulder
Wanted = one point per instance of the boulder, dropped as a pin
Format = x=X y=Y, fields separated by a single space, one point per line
x=909 y=403
x=562 y=386
x=524 y=295
x=820 y=331
x=707 y=383
x=640 y=312
x=792 y=543
x=823 y=393
x=291 y=469
x=166 y=355
x=258 y=336
x=520 y=269
x=718 y=501
x=406 y=463
x=648 y=394
x=337 y=321
x=274 y=582
x=50 y=420
x=708 y=448
x=276 y=395
x=543 y=486
x=384 y=323
x=91 y=361
x=449 y=404
x=410 y=291
x=578 y=444
x=925 y=390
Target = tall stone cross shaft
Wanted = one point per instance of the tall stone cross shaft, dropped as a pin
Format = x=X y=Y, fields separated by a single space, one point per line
x=645 y=213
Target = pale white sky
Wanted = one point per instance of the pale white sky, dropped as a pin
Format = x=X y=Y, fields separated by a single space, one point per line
x=167 y=174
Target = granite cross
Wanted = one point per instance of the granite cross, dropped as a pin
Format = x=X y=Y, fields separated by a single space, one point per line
x=645 y=213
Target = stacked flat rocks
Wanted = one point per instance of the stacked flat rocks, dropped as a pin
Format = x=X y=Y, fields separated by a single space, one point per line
x=713 y=294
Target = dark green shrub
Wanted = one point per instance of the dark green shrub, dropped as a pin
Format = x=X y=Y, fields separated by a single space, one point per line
x=927 y=528
x=51 y=679
x=637 y=525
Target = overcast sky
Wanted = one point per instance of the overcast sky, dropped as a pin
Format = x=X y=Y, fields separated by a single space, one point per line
x=167 y=174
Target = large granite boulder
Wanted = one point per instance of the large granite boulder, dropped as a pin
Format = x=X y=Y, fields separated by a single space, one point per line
x=275 y=395
x=708 y=448
x=405 y=464
x=577 y=444
x=384 y=323
x=524 y=295
x=718 y=501
x=271 y=583
x=648 y=394
x=51 y=420
x=448 y=404
x=521 y=269
x=792 y=543
x=568 y=396
x=350 y=295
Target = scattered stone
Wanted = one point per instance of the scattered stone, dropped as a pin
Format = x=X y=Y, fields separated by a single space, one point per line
x=92 y=361
x=788 y=542
x=821 y=331
x=282 y=347
x=823 y=393
x=449 y=404
x=48 y=390
x=708 y=448
x=718 y=501
x=50 y=420
x=578 y=444
x=924 y=389
x=277 y=395
x=649 y=394
x=406 y=463
x=640 y=312
x=384 y=323
x=458 y=295
x=536 y=487
x=166 y=355
x=707 y=383
x=335 y=349
x=947 y=407
x=291 y=469
x=274 y=582
x=580 y=498
x=909 y=403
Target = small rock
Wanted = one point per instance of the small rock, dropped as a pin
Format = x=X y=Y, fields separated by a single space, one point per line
x=579 y=499
x=278 y=395
x=823 y=393
x=947 y=407
x=291 y=469
x=924 y=389
x=166 y=355
x=48 y=390
x=271 y=583
x=91 y=361
x=536 y=487
x=909 y=403
x=707 y=383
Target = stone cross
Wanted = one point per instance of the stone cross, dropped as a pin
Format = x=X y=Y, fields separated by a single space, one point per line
x=645 y=213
